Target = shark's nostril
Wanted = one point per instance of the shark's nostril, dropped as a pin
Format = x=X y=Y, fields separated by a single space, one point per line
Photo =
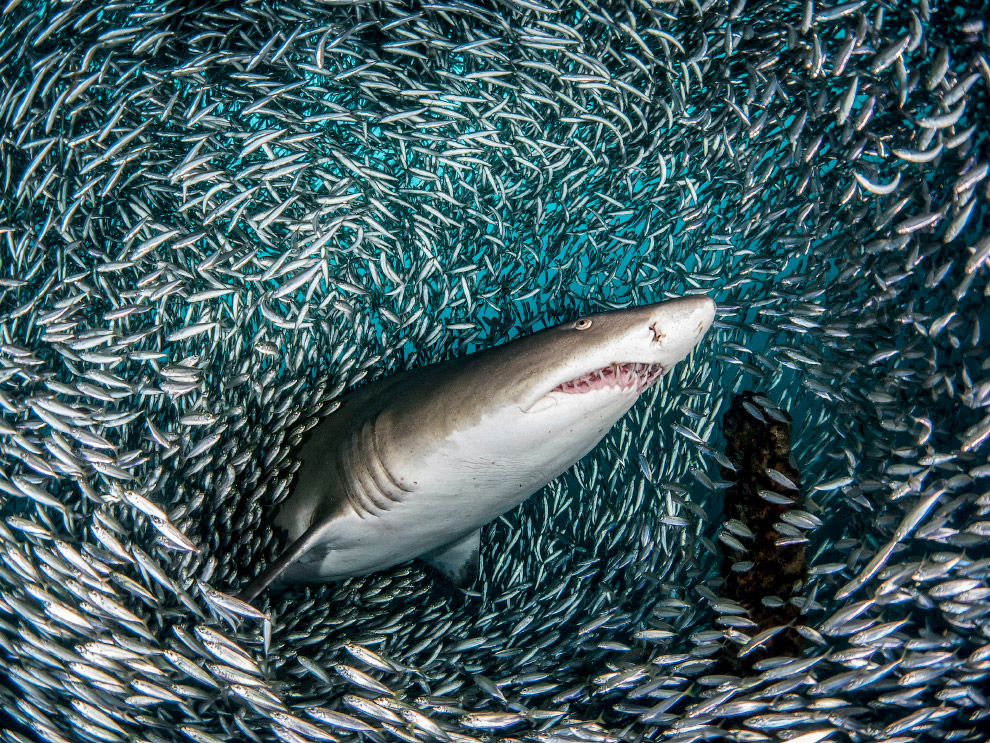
x=658 y=334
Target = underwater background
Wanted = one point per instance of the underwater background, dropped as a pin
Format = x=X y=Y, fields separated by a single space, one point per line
x=217 y=216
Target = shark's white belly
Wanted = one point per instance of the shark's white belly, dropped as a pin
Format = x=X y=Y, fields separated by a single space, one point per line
x=358 y=544
x=476 y=476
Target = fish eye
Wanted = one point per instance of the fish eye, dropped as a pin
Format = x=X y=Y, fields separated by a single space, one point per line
x=583 y=324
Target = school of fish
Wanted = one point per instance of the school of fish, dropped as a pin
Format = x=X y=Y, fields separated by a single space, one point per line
x=216 y=217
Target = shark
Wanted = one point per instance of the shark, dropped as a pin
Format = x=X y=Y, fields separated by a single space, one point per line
x=415 y=464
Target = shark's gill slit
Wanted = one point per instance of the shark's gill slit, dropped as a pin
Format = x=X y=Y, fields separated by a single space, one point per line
x=381 y=478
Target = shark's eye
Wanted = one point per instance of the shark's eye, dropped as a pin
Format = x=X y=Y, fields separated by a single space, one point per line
x=583 y=324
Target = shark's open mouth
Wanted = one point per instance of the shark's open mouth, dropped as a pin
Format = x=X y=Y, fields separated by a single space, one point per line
x=626 y=377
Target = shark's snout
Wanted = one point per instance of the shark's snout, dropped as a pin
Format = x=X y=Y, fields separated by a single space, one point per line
x=694 y=313
x=677 y=325
x=704 y=311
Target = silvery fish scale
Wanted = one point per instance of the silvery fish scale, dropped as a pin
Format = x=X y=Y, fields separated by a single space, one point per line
x=217 y=217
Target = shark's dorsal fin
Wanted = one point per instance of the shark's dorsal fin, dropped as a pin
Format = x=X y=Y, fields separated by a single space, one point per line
x=458 y=561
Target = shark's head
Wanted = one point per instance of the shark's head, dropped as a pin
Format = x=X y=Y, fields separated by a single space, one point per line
x=540 y=402
x=607 y=358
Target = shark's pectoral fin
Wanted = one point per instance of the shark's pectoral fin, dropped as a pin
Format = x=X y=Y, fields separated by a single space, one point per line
x=458 y=561
x=274 y=571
